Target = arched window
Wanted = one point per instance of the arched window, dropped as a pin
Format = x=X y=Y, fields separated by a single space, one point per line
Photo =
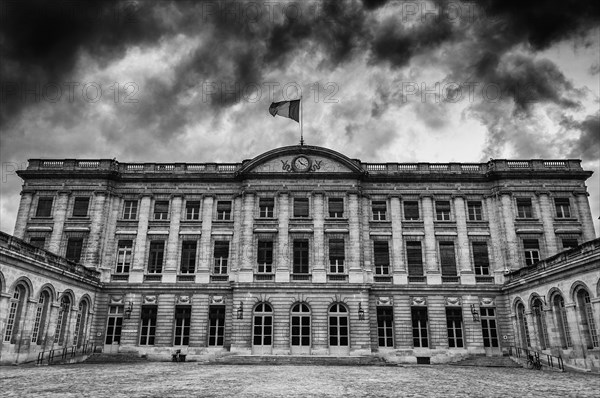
x=300 y=331
x=17 y=302
x=540 y=322
x=80 y=323
x=522 y=325
x=560 y=317
x=338 y=326
x=586 y=314
x=62 y=321
x=41 y=317
x=262 y=330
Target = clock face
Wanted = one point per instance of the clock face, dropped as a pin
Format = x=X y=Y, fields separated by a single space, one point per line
x=301 y=163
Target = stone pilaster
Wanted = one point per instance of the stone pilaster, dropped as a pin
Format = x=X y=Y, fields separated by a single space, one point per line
x=431 y=264
x=282 y=273
x=397 y=257
x=496 y=251
x=354 y=269
x=139 y=254
x=204 y=266
x=23 y=214
x=247 y=263
x=467 y=274
x=60 y=214
x=318 y=270
x=93 y=249
x=172 y=253
x=574 y=325
x=238 y=251
x=508 y=221
x=585 y=216
x=547 y=217
x=532 y=330
x=108 y=258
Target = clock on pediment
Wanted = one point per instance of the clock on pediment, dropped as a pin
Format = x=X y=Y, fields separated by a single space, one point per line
x=301 y=163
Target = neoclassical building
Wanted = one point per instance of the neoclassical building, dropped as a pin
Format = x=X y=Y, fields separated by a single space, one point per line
x=303 y=251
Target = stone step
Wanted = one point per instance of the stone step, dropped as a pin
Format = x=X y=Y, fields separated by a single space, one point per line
x=483 y=361
x=299 y=360
x=115 y=358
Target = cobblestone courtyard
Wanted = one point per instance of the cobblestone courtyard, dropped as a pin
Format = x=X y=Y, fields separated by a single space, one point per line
x=195 y=380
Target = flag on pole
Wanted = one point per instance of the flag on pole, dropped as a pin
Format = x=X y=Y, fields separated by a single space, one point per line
x=290 y=109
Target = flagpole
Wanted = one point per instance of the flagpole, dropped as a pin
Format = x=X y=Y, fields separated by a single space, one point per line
x=301 y=132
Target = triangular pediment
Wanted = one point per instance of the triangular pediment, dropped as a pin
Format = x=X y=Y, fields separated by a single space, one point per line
x=301 y=160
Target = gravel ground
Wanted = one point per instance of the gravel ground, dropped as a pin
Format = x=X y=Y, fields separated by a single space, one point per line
x=163 y=379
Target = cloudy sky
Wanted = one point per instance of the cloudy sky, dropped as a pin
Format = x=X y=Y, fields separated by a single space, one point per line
x=380 y=80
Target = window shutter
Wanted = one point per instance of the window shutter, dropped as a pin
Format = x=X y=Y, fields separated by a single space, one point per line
x=80 y=207
x=381 y=253
x=300 y=207
x=222 y=249
x=480 y=254
x=447 y=259
x=531 y=244
x=414 y=256
x=336 y=249
x=411 y=210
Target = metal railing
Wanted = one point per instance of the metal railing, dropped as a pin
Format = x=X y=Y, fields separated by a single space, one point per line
x=549 y=360
x=64 y=353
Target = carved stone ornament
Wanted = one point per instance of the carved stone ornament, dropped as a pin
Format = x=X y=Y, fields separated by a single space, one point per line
x=387 y=300
x=150 y=299
x=184 y=300
x=419 y=301
x=487 y=301
x=116 y=300
x=217 y=300
x=453 y=301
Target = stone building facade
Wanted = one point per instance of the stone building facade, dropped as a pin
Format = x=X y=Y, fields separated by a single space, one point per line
x=302 y=250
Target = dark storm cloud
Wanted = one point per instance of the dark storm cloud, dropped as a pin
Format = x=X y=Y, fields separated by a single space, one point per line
x=587 y=146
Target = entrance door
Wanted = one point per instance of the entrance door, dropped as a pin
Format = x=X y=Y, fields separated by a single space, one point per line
x=489 y=331
x=262 y=330
x=339 y=339
x=300 y=330
x=113 y=329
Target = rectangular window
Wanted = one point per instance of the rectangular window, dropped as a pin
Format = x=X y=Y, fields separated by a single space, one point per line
x=183 y=316
x=114 y=324
x=80 y=207
x=569 y=243
x=411 y=210
x=442 y=210
x=563 y=207
x=385 y=326
x=192 y=210
x=265 y=256
x=300 y=207
x=481 y=259
x=531 y=250
x=266 y=207
x=161 y=210
x=130 y=210
x=216 y=326
x=124 y=253
x=475 y=210
x=44 y=207
x=454 y=326
x=447 y=259
x=221 y=257
x=488 y=327
x=336 y=256
x=74 y=248
x=524 y=208
x=148 y=325
x=381 y=257
x=188 y=256
x=419 y=326
x=414 y=258
x=224 y=210
x=38 y=242
x=300 y=256
x=336 y=207
x=157 y=254
x=379 y=209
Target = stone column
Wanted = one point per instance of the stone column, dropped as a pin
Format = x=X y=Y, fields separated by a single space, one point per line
x=585 y=216
x=574 y=326
x=548 y=223
x=354 y=270
x=246 y=271
x=367 y=248
x=172 y=252
x=496 y=246
x=204 y=267
x=60 y=214
x=94 y=244
x=139 y=253
x=238 y=251
x=434 y=276
x=282 y=272
x=398 y=266
x=108 y=257
x=508 y=221
x=23 y=214
x=319 y=274
x=467 y=275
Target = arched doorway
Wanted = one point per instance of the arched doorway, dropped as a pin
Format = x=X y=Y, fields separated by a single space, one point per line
x=262 y=329
x=38 y=335
x=589 y=333
x=62 y=323
x=339 y=332
x=80 y=324
x=522 y=326
x=300 y=332
x=562 y=324
x=539 y=318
